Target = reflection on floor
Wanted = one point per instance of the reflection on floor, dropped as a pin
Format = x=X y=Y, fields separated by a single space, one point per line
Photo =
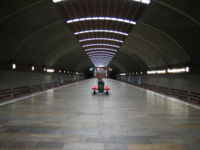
x=71 y=118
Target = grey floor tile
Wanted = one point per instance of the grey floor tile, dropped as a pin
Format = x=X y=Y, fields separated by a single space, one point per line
x=71 y=118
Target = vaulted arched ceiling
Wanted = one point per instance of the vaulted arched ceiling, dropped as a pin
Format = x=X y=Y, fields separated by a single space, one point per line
x=167 y=34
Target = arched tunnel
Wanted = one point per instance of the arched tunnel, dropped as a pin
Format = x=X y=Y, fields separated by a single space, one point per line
x=50 y=50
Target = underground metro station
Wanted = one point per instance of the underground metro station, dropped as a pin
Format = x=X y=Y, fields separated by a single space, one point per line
x=100 y=75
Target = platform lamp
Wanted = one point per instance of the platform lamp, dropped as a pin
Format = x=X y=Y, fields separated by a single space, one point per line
x=12 y=61
x=44 y=68
x=32 y=66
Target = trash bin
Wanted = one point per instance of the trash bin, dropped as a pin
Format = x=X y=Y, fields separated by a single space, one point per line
x=101 y=86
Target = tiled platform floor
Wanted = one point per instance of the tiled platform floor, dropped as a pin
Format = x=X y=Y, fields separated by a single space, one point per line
x=71 y=118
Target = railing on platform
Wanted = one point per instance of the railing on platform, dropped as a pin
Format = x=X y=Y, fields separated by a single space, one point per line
x=188 y=96
x=11 y=93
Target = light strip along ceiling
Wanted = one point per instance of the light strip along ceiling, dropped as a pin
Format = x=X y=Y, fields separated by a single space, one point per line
x=103 y=52
x=101 y=44
x=101 y=30
x=102 y=58
x=141 y=1
x=99 y=39
x=101 y=26
x=102 y=18
x=100 y=55
x=106 y=49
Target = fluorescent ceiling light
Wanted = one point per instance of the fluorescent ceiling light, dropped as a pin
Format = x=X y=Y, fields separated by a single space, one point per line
x=32 y=68
x=91 y=57
x=99 y=55
x=146 y=1
x=108 y=49
x=56 y=1
x=174 y=70
x=101 y=60
x=101 y=52
x=100 y=65
x=96 y=55
x=102 y=18
x=105 y=61
x=143 y=1
x=101 y=44
x=122 y=74
x=157 y=72
x=106 y=39
x=50 y=70
x=14 y=66
x=101 y=30
x=98 y=61
x=178 y=70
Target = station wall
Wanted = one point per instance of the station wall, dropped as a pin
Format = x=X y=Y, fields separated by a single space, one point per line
x=11 y=79
x=188 y=82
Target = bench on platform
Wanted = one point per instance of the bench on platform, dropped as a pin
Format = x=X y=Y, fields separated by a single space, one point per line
x=95 y=88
